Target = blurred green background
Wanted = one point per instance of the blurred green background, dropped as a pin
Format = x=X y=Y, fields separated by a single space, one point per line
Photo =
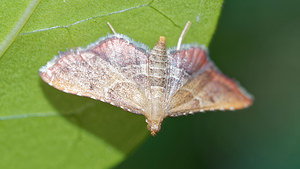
x=257 y=42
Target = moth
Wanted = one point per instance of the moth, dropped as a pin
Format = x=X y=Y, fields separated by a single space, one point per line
x=156 y=83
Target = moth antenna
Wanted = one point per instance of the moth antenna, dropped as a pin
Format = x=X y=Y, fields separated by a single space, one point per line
x=185 y=30
x=112 y=29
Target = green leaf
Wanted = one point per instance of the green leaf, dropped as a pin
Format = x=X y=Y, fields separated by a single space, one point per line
x=41 y=126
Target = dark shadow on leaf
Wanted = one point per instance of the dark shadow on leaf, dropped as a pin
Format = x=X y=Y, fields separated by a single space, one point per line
x=119 y=128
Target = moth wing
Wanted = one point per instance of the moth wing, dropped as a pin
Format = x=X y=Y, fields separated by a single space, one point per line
x=108 y=70
x=207 y=88
x=127 y=56
x=182 y=65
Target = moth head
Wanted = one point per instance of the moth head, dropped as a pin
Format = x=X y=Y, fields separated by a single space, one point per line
x=153 y=127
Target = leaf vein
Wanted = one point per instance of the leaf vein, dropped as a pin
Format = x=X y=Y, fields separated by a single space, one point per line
x=84 y=20
x=10 y=38
x=164 y=15
x=33 y=115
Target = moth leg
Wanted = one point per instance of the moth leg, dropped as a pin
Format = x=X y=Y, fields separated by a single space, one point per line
x=112 y=29
x=185 y=30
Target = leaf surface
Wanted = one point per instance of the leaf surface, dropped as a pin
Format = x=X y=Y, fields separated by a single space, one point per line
x=41 y=126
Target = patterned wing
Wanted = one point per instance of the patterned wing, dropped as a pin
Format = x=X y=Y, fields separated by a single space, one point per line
x=110 y=70
x=182 y=65
x=207 y=88
x=127 y=56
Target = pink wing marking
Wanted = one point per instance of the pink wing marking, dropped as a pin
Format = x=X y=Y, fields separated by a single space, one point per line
x=183 y=64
